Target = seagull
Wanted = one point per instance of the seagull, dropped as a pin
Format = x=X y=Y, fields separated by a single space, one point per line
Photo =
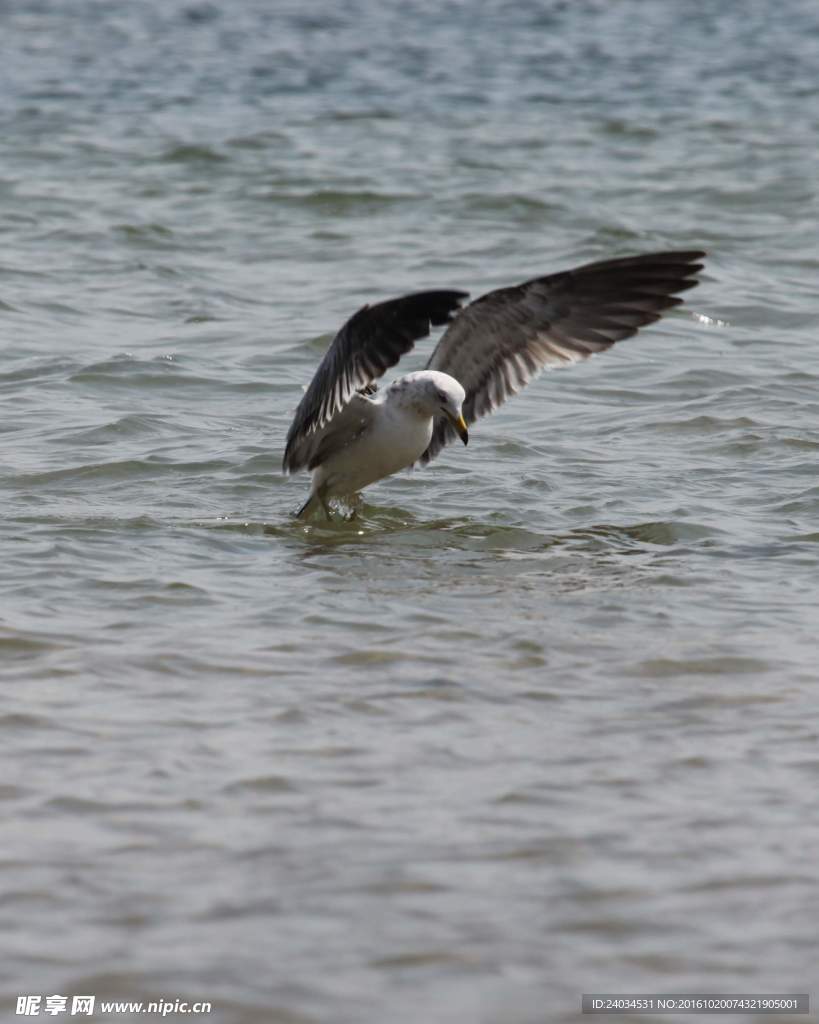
x=350 y=434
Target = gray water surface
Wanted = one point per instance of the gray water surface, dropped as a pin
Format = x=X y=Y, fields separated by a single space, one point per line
x=541 y=720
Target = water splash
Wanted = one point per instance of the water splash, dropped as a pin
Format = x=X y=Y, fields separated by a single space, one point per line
x=708 y=321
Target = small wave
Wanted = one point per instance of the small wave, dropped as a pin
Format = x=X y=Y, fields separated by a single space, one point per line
x=156 y=236
x=185 y=154
x=116 y=430
x=119 y=470
x=335 y=201
x=717 y=665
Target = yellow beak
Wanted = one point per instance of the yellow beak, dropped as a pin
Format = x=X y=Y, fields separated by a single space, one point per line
x=460 y=425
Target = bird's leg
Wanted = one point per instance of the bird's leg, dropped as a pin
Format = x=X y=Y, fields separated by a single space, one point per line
x=318 y=496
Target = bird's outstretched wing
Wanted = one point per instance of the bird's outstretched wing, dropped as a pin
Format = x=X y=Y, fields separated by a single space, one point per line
x=371 y=341
x=499 y=342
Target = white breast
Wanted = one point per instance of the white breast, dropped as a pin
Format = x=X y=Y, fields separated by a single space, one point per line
x=398 y=437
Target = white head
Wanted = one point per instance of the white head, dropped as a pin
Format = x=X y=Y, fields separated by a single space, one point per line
x=434 y=394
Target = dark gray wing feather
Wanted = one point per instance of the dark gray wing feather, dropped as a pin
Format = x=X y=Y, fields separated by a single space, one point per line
x=348 y=424
x=501 y=341
x=371 y=341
